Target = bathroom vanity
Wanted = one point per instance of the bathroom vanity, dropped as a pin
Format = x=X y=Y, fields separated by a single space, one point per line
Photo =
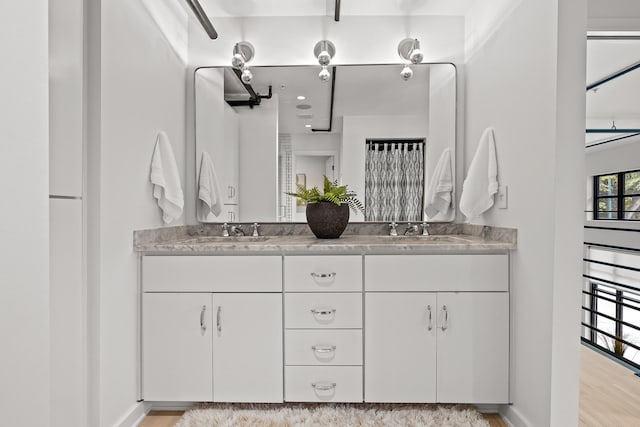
x=363 y=318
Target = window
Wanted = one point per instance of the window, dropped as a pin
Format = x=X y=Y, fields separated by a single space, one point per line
x=617 y=196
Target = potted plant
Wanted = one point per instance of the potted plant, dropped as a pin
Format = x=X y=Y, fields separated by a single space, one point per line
x=328 y=212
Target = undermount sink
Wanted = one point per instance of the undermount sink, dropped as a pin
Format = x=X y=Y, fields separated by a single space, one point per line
x=230 y=239
x=421 y=238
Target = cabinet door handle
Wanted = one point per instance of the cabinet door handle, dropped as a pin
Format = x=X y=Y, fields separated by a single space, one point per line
x=203 y=325
x=430 y=326
x=229 y=192
x=233 y=191
x=323 y=386
x=445 y=325
x=323 y=311
x=323 y=349
x=324 y=277
x=219 y=319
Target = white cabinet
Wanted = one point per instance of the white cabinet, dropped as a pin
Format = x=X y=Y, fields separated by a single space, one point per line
x=450 y=346
x=247 y=347
x=400 y=347
x=473 y=347
x=212 y=328
x=177 y=347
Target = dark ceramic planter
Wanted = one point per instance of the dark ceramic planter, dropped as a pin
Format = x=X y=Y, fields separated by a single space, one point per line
x=327 y=220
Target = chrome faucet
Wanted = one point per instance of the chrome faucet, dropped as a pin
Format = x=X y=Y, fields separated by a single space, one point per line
x=411 y=229
x=425 y=231
x=255 y=229
x=225 y=230
x=393 y=231
x=237 y=230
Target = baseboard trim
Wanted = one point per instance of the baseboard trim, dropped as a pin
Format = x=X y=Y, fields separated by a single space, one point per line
x=135 y=415
x=512 y=417
x=170 y=406
x=487 y=409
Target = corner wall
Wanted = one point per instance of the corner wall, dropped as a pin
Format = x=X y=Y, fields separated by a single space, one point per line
x=525 y=78
x=24 y=182
x=143 y=91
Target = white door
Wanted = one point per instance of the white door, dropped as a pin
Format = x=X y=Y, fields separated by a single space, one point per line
x=177 y=351
x=400 y=347
x=473 y=347
x=247 y=355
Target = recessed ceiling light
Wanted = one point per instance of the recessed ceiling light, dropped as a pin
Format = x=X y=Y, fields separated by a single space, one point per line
x=301 y=98
x=307 y=126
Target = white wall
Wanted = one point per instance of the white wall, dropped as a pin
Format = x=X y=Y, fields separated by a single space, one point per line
x=526 y=79
x=143 y=91
x=357 y=129
x=24 y=249
x=620 y=15
x=258 y=184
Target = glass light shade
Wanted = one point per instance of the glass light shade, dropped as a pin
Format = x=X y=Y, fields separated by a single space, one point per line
x=237 y=61
x=416 y=56
x=406 y=73
x=247 y=76
x=324 y=58
x=324 y=75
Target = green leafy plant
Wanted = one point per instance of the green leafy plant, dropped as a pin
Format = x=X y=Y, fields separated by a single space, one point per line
x=332 y=192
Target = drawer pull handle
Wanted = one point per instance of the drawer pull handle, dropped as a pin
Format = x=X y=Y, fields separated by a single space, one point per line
x=323 y=311
x=430 y=326
x=219 y=319
x=323 y=386
x=323 y=275
x=445 y=325
x=323 y=349
x=203 y=326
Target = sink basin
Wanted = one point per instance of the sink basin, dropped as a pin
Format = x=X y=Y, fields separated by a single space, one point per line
x=421 y=238
x=230 y=239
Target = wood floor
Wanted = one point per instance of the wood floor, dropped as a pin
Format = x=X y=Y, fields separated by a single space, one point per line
x=170 y=418
x=609 y=392
x=609 y=397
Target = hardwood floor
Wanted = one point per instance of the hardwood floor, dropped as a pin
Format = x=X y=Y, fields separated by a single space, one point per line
x=170 y=418
x=609 y=392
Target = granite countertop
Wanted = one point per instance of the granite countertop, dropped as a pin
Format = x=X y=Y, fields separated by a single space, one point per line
x=359 y=238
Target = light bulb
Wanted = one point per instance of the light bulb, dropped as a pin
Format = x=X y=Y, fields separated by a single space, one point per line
x=416 y=56
x=406 y=73
x=246 y=76
x=237 y=61
x=324 y=58
x=324 y=75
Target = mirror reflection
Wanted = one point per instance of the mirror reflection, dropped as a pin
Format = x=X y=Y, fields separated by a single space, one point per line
x=386 y=138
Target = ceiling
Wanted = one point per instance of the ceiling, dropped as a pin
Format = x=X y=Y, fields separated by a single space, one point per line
x=618 y=99
x=360 y=90
x=238 y=8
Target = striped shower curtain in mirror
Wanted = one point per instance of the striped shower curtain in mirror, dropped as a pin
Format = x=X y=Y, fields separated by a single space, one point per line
x=394 y=180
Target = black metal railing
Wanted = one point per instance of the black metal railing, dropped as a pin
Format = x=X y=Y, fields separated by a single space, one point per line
x=607 y=307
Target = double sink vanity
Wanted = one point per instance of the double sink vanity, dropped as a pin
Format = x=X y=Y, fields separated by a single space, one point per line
x=287 y=317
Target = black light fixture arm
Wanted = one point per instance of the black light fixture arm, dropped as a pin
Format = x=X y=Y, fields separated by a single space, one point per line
x=197 y=9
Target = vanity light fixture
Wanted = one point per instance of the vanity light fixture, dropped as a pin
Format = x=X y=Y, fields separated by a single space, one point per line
x=324 y=50
x=243 y=52
x=409 y=50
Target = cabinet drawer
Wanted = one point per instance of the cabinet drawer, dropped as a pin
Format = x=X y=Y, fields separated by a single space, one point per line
x=323 y=384
x=437 y=273
x=212 y=273
x=323 y=273
x=323 y=347
x=323 y=310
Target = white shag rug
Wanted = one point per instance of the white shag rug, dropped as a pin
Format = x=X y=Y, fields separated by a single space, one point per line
x=351 y=415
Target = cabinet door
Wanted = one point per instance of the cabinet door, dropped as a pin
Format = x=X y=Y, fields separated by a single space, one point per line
x=247 y=356
x=400 y=347
x=473 y=347
x=177 y=364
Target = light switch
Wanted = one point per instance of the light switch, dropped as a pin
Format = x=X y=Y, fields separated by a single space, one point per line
x=501 y=197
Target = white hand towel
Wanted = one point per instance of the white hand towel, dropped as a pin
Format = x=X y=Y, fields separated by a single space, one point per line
x=209 y=197
x=438 y=195
x=481 y=182
x=166 y=180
